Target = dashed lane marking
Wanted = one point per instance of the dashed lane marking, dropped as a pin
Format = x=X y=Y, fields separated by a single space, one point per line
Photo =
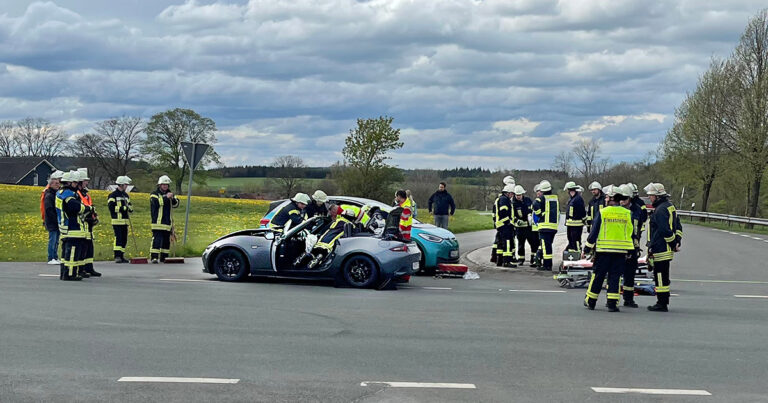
x=720 y=281
x=185 y=280
x=162 y=379
x=437 y=288
x=688 y=392
x=541 y=291
x=48 y=275
x=752 y=296
x=756 y=238
x=733 y=233
x=422 y=385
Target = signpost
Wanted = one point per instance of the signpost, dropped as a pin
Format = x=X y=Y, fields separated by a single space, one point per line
x=193 y=152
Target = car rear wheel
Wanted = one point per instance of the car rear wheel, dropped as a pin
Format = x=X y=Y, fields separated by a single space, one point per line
x=230 y=265
x=360 y=271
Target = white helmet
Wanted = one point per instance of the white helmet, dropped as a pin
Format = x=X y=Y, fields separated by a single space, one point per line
x=610 y=190
x=595 y=185
x=545 y=186
x=123 y=180
x=302 y=198
x=607 y=188
x=536 y=188
x=624 y=190
x=67 y=177
x=519 y=190
x=76 y=176
x=320 y=196
x=164 y=180
x=509 y=180
x=634 y=188
x=655 y=189
x=83 y=174
x=579 y=188
x=509 y=188
x=57 y=174
x=570 y=186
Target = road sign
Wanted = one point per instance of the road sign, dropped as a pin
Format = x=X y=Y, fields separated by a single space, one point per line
x=194 y=152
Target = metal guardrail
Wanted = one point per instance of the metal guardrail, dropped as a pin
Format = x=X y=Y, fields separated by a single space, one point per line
x=723 y=217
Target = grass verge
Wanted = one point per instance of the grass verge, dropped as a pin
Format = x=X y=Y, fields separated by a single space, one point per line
x=735 y=227
x=462 y=221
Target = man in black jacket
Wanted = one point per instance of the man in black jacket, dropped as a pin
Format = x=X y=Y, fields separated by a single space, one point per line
x=50 y=221
x=664 y=238
x=444 y=207
x=575 y=216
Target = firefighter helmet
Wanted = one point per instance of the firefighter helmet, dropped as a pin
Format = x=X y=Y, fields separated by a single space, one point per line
x=123 y=180
x=164 y=180
x=83 y=174
x=519 y=190
x=545 y=186
x=595 y=185
x=571 y=186
x=509 y=188
x=655 y=189
x=509 y=180
x=320 y=196
x=302 y=198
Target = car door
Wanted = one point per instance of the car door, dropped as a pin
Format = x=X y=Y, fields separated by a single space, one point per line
x=284 y=247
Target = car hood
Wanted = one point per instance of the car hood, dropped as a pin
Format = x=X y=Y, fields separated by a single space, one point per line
x=431 y=229
x=251 y=232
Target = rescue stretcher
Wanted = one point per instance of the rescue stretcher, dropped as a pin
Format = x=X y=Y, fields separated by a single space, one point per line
x=576 y=273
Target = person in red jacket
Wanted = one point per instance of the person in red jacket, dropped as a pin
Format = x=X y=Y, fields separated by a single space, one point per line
x=406 y=218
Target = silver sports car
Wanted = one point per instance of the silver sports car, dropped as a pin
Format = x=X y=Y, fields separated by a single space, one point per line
x=360 y=260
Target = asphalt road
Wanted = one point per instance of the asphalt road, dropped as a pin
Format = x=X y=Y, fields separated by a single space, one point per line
x=288 y=341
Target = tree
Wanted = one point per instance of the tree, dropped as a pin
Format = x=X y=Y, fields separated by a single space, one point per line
x=365 y=171
x=288 y=174
x=696 y=141
x=37 y=137
x=8 y=143
x=750 y=137
x=588 y=162
x=165 y=133
x=114 y=144
x=563 y=162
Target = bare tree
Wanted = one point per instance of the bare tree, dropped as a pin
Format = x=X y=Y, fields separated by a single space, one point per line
x=563 y=162
x=289 y=173
x=8 y=141
x=37 y=137
x=750 y=139
x=114 y=144
x=587 y=156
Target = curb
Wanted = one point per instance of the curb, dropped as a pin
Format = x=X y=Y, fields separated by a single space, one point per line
x=478 y=259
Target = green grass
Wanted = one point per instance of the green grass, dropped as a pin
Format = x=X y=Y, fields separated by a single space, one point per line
x=735 y=227
x=23 y=238
x=462 y=221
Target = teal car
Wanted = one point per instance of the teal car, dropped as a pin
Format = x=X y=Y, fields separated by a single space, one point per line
x=437 y=245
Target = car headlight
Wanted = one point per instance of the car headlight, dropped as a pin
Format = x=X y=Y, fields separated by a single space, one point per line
x=430 y=237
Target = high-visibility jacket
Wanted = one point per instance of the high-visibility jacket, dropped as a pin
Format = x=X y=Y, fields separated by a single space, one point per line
x=664 y=230
x=521 y=212
x=406 y=220
x=547 y=208
x=160 y=210
x=119 y=204
x=502 y=208
x=612 y=231
x=70 y=213
x=595 y=205
x=85 y=198
x=42 y=202
x=288 y=216
x=575 y=212
x=334 y=232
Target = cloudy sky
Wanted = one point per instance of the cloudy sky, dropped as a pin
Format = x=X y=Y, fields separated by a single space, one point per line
x=498 y=84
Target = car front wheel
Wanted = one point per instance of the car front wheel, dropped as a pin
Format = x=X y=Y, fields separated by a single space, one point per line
x=230 y=265
x=360 y=271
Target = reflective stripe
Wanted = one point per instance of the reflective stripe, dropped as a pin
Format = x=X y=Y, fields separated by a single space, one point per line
x=628 y=288
x=613 y=295
x=616 y=230
x=551 y=213
x=574 y=223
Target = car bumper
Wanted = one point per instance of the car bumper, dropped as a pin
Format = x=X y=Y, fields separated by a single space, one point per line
x=407 y=264
x=443 y=252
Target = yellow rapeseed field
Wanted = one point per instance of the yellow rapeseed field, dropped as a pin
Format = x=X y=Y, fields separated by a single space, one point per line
x=23 y=237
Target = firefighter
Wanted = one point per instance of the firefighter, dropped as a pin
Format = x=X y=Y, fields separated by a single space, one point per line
x=536 y=259
x=630 y=267
x=91 y=220
x=664 y=237
x=521 y=206
x=317 y=206
x=161 y=201
x=70 y=213
x=596 y=204
x=508 y=180
x=547 y=209
x=120 y=208
x=575 y=215
x=612 y=243
x=636 y=200
x=292 y=214
x=505 y=229
x=342 y=226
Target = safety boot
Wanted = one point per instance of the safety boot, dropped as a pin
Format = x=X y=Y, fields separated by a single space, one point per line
x=590 y=303
x=83 y=273
x=658 y=308
x=629 y=301
x=533 y=261
x=509 y=261
x=499 y=261
x=494 y=256
x=94 y=273
x=612 y=306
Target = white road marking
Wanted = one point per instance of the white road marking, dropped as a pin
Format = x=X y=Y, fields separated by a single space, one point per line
x=540 y=291
x=690 y=392
x=184 y=279
x=422 y=385
x=751 y=296
x=720 y=281
x=757 y=239
x=734 y=233
x=163 y=379
x=437 y=288
x=745 y=235
x=48 y=275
